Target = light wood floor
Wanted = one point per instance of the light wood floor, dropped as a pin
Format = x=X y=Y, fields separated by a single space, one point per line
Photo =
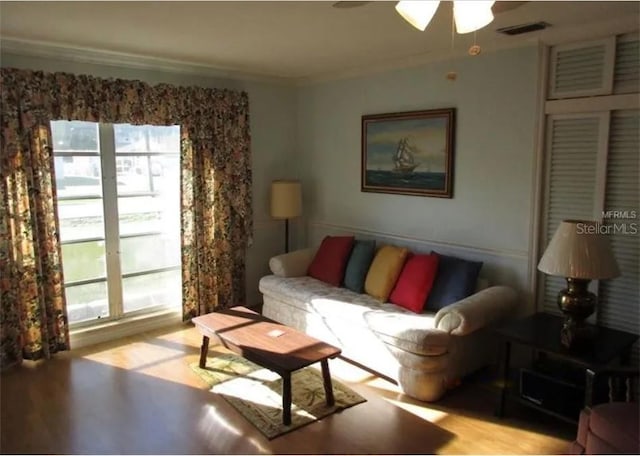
x=138 y=395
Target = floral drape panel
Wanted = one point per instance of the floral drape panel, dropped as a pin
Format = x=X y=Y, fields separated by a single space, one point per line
x=215 y=181
x=33 y=311
x=215 y=202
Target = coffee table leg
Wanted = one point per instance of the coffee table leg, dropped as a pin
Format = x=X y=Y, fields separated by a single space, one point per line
x=286 y=399
x=328 y=387
x=203 y=352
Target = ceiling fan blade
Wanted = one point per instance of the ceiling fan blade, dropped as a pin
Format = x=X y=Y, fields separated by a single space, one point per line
x=502 y=7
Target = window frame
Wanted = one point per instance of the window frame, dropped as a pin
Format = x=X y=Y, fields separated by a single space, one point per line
x=113 y=277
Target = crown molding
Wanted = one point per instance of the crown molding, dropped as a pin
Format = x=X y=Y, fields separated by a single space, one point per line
x=79 y=54
x=551 y=36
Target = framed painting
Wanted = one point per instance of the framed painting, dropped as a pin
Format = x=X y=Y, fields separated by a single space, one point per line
x=409 y=153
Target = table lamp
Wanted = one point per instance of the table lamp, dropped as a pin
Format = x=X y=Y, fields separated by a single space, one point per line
x=580 y=253
x=286 y=203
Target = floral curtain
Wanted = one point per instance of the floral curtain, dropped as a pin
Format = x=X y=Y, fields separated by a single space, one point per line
x=215 y=181
x=33 y=311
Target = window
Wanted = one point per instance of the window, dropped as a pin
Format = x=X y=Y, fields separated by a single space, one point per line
x=118 y=190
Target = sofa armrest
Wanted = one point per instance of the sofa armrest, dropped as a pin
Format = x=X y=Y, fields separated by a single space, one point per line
x=476 y=311
x=292 y=264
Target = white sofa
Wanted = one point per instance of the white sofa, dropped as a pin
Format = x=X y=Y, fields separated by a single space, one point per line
x=424 y=353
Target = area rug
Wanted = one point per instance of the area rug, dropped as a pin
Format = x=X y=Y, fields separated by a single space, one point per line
x=257 y=393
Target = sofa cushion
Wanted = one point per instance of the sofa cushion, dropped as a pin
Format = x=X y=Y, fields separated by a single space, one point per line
x=384 y=271
x=319 y=298
x=456 y=279
x=331 y=259
x=358 y=265
x=412 y=333
x=415 y=282
x=394 y=325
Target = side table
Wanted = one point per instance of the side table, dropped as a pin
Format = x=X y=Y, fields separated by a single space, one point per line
x=541 y=332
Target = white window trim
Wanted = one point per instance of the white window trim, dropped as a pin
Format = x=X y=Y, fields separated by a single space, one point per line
x=111 y=228
x=118 y=320
x=538 y=172
x=85 y=335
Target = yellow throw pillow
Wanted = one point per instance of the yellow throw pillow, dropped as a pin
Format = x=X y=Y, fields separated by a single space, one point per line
x=384 y=271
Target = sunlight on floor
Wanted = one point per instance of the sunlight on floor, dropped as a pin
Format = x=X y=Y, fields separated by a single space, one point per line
x=420 y=411
x=168 y=355
x=159 y=354
x=466 y=429
x=212 y=423
x=213 y=426
x=135 y=355
x=251 y=390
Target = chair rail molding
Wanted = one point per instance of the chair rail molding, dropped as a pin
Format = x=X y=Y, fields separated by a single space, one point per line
x=500 y=266
x=511 y=253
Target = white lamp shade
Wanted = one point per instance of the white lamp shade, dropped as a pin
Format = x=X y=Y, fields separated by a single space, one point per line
x=417 y=13
x=579 y=251
x=472 y=15
x=286 y=199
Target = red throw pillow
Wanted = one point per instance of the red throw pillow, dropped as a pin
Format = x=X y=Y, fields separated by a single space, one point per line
x=415 y=282
x=331 y=259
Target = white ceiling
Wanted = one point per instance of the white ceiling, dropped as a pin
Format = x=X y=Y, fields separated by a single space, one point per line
x=292 y=40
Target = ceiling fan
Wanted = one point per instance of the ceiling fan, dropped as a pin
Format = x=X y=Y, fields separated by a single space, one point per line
x=469 y=15
x=497 y=8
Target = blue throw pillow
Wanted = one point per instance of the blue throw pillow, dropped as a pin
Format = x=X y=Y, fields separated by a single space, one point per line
x=456 y=279
x=358 y=265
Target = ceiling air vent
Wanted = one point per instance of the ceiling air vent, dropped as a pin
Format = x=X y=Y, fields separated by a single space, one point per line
x=523 y=28
x=348 y=4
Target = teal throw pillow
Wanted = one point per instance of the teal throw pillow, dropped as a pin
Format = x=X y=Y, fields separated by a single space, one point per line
x=358 y=265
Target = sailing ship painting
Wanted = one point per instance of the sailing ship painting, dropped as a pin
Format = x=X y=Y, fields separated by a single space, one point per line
x=403 y=159
x=408 y=153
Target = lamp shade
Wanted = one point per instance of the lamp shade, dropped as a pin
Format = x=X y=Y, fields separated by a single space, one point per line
x=417 y=13
x=579 y=251
x=472 y=15
x=286 y=199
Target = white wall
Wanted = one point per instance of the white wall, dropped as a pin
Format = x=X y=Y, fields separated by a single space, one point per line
x=490 y=214
x=273 y=124
x=314 y=132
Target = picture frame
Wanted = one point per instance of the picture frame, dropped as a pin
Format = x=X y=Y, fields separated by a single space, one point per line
x=409 y=153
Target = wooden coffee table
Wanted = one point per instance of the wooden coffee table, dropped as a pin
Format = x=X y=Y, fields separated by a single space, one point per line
x=269 y=344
